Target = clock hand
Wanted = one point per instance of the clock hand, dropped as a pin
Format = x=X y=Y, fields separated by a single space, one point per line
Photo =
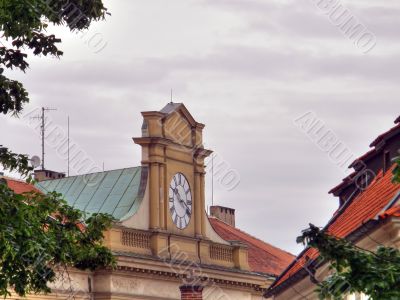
x=176 y=192
x=187 y=207
x=181 y=201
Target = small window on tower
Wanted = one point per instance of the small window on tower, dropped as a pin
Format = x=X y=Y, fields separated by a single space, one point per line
x=386 y=161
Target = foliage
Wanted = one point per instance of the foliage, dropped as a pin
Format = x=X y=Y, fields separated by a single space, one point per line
x=15 y=162
x=40 y=235
x=355 y=270
x=24 y=25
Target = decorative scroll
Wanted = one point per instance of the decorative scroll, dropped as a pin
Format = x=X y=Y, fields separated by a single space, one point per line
x=135 y=239
x=219 y=252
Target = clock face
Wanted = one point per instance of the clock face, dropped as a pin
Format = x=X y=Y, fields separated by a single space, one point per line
x=180 y=201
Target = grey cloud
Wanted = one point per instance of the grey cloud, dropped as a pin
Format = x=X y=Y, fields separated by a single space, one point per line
x=246 y=72
x=233 y=61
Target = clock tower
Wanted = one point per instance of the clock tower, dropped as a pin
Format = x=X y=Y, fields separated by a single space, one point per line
x=166 y=247
x=173 y=153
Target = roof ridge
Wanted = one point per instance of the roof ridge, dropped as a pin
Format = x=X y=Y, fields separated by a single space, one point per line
x=383 y=135
x=13 y=179
x=252 y=236
x=92 y=173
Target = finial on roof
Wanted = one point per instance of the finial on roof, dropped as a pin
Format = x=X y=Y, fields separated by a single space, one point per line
x=397 y=120
x=171 y=96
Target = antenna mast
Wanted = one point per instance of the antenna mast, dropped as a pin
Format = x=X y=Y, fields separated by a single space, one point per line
x=212 y=179
x=68 y=148
x=43 y=129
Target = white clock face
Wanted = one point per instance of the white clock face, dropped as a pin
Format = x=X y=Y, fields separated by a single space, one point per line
x=180 y=201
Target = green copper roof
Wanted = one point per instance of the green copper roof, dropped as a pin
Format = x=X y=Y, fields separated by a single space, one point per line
x=117 y=192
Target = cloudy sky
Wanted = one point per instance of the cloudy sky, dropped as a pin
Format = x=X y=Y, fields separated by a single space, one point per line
x=248 y=70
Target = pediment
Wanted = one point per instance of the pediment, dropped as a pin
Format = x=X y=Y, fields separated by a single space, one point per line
x=178 y=108
x=178 y=128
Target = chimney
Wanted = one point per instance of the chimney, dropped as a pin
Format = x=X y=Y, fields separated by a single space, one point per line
x=41 y=175
x=225 y=214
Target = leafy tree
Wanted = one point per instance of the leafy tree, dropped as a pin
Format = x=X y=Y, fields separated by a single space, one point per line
x=24 y=25
x=355 y=270
x=40 y=235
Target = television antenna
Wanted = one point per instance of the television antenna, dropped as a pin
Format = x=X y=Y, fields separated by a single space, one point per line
x=35 y=161
x=43 y=128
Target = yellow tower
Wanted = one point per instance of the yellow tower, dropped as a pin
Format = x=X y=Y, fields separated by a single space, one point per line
x=173 y=151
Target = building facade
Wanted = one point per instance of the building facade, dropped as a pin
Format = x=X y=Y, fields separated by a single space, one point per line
x=166 y=245
x=368 y=215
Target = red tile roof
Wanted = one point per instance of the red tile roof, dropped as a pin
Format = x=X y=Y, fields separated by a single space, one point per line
x=364 y=207
x=391 y=212
x=263 y=257
x=18 y=186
